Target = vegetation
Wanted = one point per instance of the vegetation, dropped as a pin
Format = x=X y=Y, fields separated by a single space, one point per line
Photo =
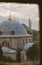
x=33 y=52
x=27 y=28
x=29 y=32
x=7 y=59
x=1 y=53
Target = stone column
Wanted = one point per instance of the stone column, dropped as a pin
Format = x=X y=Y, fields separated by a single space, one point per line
x=23 y=56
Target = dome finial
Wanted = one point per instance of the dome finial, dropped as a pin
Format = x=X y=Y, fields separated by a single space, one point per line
x=10 y=17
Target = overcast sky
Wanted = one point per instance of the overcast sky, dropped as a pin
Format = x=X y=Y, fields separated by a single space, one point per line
x=21 y=12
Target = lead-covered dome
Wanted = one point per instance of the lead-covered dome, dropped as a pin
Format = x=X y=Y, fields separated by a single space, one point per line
x=11 y=25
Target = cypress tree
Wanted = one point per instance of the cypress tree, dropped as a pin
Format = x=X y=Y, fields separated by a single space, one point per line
x=1 y=53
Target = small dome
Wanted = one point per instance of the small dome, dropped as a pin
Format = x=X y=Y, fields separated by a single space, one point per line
x=27 y=46
x=8 y=50
x=12 y=25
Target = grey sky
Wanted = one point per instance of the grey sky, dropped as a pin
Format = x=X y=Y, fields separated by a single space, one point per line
x=21 y=12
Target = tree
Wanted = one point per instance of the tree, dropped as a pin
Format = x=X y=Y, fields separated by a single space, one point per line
x=33 y=52
x=1 y=53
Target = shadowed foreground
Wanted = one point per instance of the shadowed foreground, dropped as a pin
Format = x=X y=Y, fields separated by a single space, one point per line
x=22 y=63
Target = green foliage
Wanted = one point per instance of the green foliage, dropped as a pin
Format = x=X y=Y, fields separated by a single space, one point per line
x=33 y=52
x=28 y=31
x=1 y=53
x=7 y=59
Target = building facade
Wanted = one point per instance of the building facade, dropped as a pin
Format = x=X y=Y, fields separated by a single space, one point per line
x=13 y=35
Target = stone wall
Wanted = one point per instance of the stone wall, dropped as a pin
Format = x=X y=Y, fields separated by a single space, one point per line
x=15 y=42
x=13 y=56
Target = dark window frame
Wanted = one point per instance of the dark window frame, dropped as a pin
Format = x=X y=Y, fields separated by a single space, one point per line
x=5 y=43
x=0 y=32
x=12 y=32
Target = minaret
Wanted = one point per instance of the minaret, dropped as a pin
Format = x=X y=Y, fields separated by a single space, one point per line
x=10 y=17
x=29 y=24
x=30 y=28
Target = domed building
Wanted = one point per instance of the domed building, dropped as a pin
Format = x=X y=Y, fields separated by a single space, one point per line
x=13 y=35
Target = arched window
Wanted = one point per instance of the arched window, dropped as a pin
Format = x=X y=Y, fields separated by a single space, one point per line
x=12 y=32
x=23 y=41
x=30 y=40
x=5 y=43
x=0 y=33
x=26 y=40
